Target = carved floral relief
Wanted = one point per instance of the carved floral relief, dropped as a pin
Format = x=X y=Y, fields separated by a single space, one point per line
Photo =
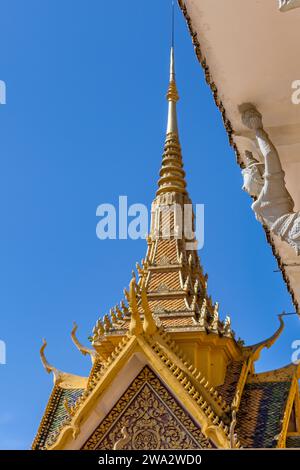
x=147 y=417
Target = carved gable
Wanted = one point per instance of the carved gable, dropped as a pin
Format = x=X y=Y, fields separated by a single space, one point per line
x=146 y=417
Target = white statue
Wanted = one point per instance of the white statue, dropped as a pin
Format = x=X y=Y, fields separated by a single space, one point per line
x=286 y=5
x=274 y=206
x=253 y=175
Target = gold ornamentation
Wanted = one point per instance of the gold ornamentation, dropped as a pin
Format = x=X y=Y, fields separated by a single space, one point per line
x=149 y=324
x=121 y=443
x=152 y=419
x=67 y=407
x=107 y=323
x=232 y=434
x=172 y=94
x=257 y=348
x=91 y=352
x=48 y=367
x=135 y=327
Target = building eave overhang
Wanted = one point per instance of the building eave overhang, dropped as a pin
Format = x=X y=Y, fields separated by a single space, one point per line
x=258 y=66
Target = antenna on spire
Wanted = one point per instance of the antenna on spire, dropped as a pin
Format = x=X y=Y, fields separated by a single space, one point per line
x=173 y=25
x=172 y=64
x=172 y=95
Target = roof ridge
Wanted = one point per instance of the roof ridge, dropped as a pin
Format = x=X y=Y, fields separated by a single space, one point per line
x=189 y=369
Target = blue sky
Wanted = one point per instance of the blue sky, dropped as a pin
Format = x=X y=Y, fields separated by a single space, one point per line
x=84 y=123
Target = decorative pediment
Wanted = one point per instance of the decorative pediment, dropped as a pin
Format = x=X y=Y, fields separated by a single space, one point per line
x=146 y=417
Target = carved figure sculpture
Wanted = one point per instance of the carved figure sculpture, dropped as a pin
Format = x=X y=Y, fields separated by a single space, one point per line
x=274 y=206
x=253 y=175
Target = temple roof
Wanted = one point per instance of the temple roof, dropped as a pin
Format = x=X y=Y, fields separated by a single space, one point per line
x=184 y=380
x=261 y=399
x=262 y=406
x=167 y=323
x=56 y=414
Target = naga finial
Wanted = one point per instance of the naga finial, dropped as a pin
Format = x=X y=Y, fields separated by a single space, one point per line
x=126 y=295
x=48 y=367
x=107 y=323
x=135 y=327
x=124 y=308
x=119 y=313
x=227 y=326
x=149 y=325
x=140 y=270
x=215 y=320
x=113 y=316
x=68 y=407
x=84 y=350
x=234 y=408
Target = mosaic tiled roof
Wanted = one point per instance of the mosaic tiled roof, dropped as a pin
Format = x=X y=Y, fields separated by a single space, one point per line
x=261 y=412
x=228 y=389
x=293 y=442
x=55 y=414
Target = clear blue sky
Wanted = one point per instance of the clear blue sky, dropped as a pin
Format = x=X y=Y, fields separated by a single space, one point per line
x=84 y=123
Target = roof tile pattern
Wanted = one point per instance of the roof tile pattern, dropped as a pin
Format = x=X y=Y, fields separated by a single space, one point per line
x=170 y=279
x=166 y=249
x=293 y=442
x=55 y=416
x=227 y=390
x=167 y=305
x=177 y=322
x=260 y=414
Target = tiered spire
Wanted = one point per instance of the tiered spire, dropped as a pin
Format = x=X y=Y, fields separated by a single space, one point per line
x=171 y=275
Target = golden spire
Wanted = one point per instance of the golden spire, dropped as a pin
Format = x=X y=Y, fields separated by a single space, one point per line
x=172 y=97
x=172 y=174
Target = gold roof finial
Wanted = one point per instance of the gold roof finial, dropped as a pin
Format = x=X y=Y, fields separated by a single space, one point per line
x=57 y=374
x=135 y=327
x=149 y=324
x=91 y=352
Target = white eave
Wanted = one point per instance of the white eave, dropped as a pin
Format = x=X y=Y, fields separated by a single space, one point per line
x=250 y=54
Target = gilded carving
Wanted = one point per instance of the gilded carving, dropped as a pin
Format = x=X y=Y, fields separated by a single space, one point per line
x=147 y=417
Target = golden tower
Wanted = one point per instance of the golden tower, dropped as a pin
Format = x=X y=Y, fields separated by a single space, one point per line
x=167 y=371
